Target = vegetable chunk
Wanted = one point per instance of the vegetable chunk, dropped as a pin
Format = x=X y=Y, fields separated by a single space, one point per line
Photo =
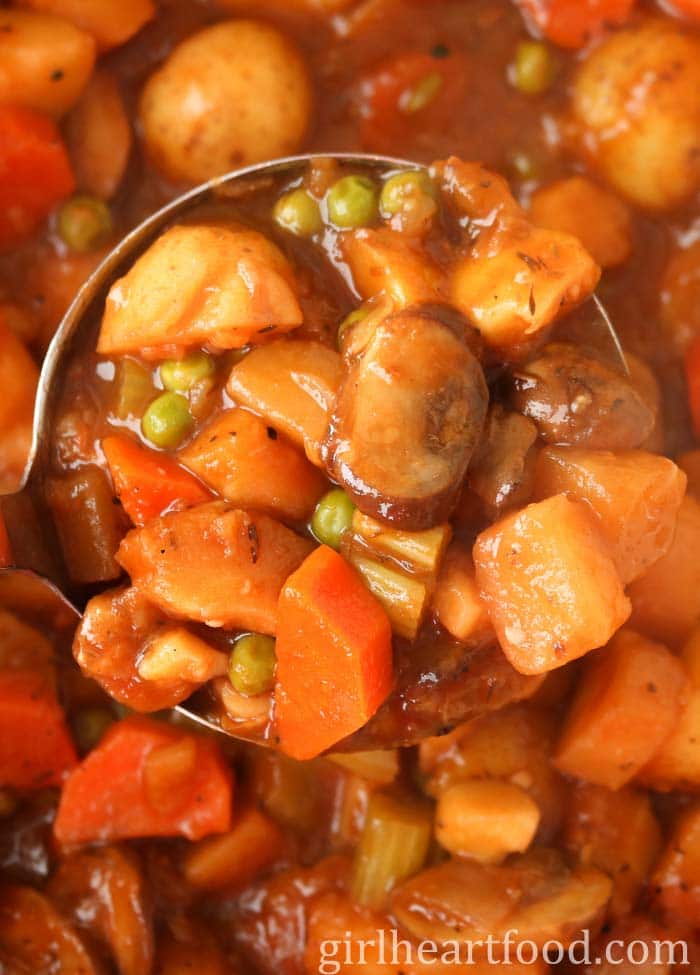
x=292 y=384
x=634 y=494
x=676 y=879
x=626 y=705
x=146 y=778
x=666 y=599
x=35 y=938
x=334 y=655
x=516 y=279
x=109 y=23
x=148 y=483
x=225 y=286
x=214 y=564
x=248 y=462
x=550 y=585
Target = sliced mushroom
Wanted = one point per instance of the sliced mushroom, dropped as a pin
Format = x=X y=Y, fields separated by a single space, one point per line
x=408 y=416
x=575 y=397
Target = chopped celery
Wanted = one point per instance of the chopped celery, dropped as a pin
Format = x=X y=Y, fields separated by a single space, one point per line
x=421 y=552
x=134 y=389
x=394 y=845
x=403 y=596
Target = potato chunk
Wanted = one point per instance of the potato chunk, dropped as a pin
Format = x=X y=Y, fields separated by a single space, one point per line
x=626 y=705
x=45 y=61
x=594 y=215
x=201 y=285
x=292 y=385
x=515 y=279
x=666 y=599
x=551 y=587
x=235 y=93
x=634 y=494
x=214 y=564
x=109 y=23
x=676 y=879
x=636 y=99
x=381 y=261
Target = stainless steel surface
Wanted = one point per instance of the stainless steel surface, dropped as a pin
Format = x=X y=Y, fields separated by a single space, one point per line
x=92 y=294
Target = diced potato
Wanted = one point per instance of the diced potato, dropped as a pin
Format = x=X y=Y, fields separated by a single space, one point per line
x=580 y=207
x=99 y=136
x=45 y=61
x=689 y=461
x=535 y=894
x=234 y=859
x=551 y=588
x=383 y=262
x=18 y=379
x=457 y=601
x=634 y=494
x=420 y=552
x=381 y=767
x=517 y=278
x=676 y=879
x=616 y=832
x=109 y=23
x=248 y=462
x=404 y=597
x=234 y=93
x=676 y=765
x=666 y=599
x=680 y=297
x=636 y=99
x=292 y=385
x=627 y=703
x=486 y=820
x=513 y=745
x=637 y=945
x=176 y=654
x=225 y=286
x=214 y=564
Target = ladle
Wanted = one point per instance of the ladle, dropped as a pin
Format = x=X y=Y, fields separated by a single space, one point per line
x=438 y=687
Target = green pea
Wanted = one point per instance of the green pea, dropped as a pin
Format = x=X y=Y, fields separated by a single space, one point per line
x=347 y=323
x=403 y=189
x=533 y=69
x=168 y=420
x=83 y=223
x=422 y=94
x=89 y=725
x=332 y=517
x=179 y=375
x=299 y=213
x=251 y=666
x=352 y=202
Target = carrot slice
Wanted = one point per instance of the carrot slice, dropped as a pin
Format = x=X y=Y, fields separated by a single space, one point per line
x=334 y=655
x=36 y=749
x=573 y=23
x=146 y=778
x=247 y=461
x=148 y=483
x=35 y=172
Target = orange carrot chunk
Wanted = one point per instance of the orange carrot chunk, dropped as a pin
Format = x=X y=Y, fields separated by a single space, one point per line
x=148 y=483
x=334 y=655
x=35 y=172
x=627 y=704
x=146 y=778
x=36 y=749
x=573 y=23
x=551 y=588
x=247 y=461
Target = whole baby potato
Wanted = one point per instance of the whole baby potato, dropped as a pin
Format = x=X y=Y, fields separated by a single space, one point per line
x=636 y=103
x=233 y=94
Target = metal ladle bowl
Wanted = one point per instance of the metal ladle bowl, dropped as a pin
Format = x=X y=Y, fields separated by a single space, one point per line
x=491 y=684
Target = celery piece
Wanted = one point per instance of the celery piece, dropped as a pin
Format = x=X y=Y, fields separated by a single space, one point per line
x=394 y=845
x=134 y=389
x=403 y=597
x=421 y=552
